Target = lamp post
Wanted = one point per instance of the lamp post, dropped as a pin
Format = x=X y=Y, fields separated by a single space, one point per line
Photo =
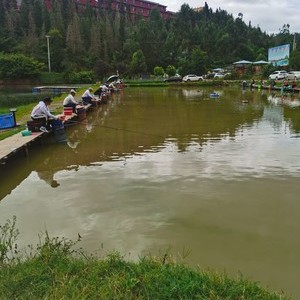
x=48 y=46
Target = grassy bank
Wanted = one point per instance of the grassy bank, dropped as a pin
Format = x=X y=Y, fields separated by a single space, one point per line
x=158 y=83
x=54 y=270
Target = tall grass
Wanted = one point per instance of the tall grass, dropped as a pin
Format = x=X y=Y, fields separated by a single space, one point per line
x=8 y=101
x=57 y=269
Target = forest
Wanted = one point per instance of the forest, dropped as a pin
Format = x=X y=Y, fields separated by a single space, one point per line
x=100 y=41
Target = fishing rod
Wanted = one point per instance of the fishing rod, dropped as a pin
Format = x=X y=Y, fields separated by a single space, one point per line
x=114 y=128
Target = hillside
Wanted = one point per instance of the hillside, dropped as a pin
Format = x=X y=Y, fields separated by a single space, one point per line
x=106 y=40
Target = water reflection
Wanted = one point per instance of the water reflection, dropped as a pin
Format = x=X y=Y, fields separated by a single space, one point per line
x=152 y=170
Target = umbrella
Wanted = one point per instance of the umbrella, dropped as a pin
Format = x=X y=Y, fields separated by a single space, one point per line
x=242 y=62
x=112 y=78
x=260 y=62
x=218 y=70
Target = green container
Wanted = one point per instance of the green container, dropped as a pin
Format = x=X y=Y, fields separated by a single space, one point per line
x=26 y=132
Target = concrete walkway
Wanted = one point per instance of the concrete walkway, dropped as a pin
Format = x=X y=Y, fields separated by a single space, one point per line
x=17 y=142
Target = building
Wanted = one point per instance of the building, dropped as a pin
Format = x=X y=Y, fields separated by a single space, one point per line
x=132 y=7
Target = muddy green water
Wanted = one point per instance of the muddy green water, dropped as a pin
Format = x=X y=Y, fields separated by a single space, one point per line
x=171 y=169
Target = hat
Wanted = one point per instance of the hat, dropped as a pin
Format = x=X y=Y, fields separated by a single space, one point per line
x=47 y=99
x=90 y=89
x=73 y=91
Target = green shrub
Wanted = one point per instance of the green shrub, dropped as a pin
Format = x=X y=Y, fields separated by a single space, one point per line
x=171 y=70
x=80 y=77
x=14 y=66
x=158 y=71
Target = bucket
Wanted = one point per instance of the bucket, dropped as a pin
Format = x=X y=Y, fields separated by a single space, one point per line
x=7 y=121
x=68 y=111
x=57 y=124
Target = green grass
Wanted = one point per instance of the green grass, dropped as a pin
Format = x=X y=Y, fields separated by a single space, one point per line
x=54 y=270
x=158 y=83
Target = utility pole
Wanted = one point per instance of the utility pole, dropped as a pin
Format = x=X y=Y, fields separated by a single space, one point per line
x=48 y=46
x=294 y=42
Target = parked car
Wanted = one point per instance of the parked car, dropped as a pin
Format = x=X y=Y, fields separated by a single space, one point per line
x=173 y=79
x=278 y=75
x=209 y=75
x=293 y=75
x=192 y=77
x=221 y=75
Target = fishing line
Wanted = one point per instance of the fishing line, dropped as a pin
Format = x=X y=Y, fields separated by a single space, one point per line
x=114 y=128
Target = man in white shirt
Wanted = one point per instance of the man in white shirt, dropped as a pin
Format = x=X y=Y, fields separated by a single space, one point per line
x=70 y=101
x=42 y=113
x=88 y=97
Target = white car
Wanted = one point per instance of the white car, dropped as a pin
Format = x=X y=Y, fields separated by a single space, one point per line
x=221 y=75
x=278 y=75
x=293 y=75
x=192 y=77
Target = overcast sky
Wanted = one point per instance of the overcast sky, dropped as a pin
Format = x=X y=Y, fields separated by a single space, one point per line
x=270 y=15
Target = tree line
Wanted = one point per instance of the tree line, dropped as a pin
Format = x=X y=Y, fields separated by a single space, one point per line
x=102 y=41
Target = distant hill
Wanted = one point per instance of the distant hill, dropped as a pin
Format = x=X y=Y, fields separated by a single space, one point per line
x=89 y=37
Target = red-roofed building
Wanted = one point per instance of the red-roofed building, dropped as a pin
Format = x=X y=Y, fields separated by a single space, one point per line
x=133 y=7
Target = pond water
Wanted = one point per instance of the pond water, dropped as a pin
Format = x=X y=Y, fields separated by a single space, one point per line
x=214 y=180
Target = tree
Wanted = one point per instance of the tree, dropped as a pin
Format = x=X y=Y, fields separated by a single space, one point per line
x=38 y=17
x=138 y=63
x=57 y=50
x=295 y=60
x=30 y=41
x=24 y=13
x=171 y=70
x=74 y=39
x=158 y=71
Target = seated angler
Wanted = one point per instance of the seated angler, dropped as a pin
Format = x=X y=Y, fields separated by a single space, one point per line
x=70 y=101
x=42 y=113
x=88 y=97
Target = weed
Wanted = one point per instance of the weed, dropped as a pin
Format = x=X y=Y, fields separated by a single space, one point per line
x=8 y=238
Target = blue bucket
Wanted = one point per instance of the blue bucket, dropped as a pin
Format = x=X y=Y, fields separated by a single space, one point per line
x=7 y=121
x=57 y=124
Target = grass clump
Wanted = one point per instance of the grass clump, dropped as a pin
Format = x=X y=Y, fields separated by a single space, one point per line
x=55 y=270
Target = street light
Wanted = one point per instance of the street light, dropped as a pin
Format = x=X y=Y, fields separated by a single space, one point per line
x=48 y=45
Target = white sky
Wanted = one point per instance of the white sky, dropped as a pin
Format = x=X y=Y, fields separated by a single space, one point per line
x=270 y=15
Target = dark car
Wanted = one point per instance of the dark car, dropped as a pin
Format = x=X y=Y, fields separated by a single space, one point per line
x=209 y=75
x=173 y=79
